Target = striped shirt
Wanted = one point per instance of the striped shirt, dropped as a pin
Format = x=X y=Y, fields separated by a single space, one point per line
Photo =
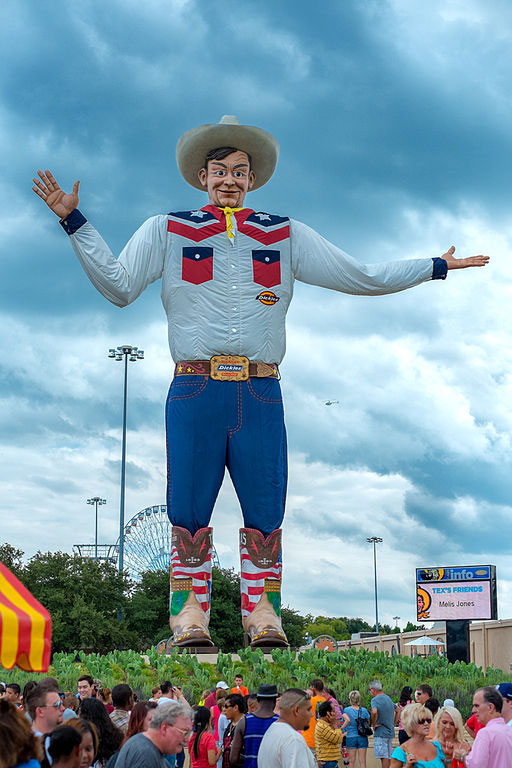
x=120 y=718
x=327 y=741
x=255 y=729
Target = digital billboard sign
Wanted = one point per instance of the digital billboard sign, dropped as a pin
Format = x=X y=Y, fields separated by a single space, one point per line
x=462 y=592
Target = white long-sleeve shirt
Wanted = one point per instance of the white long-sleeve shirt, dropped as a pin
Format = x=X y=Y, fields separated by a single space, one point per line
x=230 y=296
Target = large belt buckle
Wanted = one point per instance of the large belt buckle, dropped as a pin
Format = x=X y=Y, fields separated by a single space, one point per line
x=229 y=368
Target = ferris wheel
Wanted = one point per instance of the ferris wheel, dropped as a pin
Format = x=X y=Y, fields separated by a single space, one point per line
x=147 y=542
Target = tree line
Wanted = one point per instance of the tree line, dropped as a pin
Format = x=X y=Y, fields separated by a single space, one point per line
x=94 y=608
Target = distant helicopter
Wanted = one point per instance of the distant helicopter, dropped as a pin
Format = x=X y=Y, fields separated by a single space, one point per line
x=331 y=402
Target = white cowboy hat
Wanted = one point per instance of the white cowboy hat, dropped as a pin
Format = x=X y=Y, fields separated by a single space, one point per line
x=194 y=145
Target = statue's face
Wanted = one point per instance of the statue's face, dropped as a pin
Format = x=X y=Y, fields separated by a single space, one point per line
x=228 y=180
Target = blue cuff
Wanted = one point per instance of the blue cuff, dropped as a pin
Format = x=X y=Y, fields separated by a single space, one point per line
x=75 y=220
x=439 y=270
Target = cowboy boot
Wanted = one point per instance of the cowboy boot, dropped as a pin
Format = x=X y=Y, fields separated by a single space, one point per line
x=260 y=585
x=191 y=586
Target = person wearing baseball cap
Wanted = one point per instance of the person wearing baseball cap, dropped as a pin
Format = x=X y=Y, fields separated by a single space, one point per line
x=227 y=274
x=506 y=710
x=211 y=700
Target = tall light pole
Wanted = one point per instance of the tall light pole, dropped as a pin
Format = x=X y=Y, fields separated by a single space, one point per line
x=375 y=540
x=125 y=352
x=396 y=619
x=96 y=501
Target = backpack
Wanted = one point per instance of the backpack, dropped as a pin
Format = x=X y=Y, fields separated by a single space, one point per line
x=363 y=725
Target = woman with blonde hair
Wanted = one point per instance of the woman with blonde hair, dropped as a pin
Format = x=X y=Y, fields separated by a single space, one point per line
x=450 y=731
x=19 y=746
x=356 y=743
x=417 y=751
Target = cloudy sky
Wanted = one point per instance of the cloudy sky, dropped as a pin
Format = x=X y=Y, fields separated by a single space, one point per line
x=394 y=120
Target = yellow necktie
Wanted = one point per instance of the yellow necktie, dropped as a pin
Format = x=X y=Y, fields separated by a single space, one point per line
x=230 y=226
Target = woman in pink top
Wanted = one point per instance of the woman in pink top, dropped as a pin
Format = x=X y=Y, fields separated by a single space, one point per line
x=216 y=711
x=202 y=748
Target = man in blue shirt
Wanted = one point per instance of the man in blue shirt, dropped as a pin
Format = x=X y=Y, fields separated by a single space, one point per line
x=383 y=722
x=251 y=728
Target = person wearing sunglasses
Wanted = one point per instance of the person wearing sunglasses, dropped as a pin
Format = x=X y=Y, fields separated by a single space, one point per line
x=44 y=706
x=234 y=709
x=418 y=751
x=283 y=746
x=168 y=733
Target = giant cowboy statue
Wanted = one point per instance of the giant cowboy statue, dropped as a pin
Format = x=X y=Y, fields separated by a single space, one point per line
x=227 y=280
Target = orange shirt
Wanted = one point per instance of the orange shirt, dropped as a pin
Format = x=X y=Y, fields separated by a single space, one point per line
x=309 y=735
x=243 y=690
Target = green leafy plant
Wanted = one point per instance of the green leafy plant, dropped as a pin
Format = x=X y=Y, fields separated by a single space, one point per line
x=343 y=671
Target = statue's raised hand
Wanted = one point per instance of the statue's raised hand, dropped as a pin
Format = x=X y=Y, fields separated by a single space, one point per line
x=55 y=198
x=471 y=261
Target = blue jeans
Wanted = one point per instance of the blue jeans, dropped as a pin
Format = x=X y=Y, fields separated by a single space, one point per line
x=357 y=742
x=212 y=425
x=328 y=764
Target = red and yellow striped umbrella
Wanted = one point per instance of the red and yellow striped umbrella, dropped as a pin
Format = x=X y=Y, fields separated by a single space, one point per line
x=25 y=627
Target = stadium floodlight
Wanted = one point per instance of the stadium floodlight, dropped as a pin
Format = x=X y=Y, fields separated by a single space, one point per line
x=375 y=540
x=96 y=501
x=124 y=352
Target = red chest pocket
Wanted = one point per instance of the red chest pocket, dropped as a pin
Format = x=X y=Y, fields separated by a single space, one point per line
x=266 y=267
x=197 y=264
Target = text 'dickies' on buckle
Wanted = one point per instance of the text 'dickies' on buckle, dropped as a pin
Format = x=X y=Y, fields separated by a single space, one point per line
x=229 y=368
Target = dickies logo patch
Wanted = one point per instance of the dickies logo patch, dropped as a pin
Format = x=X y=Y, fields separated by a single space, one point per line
x=268 y=298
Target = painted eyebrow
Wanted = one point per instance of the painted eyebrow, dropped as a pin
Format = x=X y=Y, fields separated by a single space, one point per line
x=239 y=165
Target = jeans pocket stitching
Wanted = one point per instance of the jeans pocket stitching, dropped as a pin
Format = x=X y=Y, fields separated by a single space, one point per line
x=201 y=386
x=259 y=397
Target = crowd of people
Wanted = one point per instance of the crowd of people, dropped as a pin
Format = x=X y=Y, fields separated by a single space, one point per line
x=232 y=728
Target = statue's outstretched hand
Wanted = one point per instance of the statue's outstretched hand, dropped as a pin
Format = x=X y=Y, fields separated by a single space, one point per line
x=472 y=261
x=55 y=198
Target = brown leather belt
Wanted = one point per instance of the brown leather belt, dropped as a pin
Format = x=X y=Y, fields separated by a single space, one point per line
x=227 y=368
